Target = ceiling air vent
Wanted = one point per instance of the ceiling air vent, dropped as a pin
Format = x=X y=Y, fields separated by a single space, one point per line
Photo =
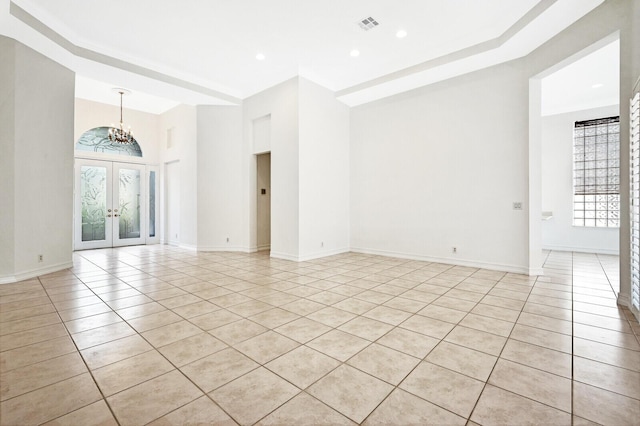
x=368 y=23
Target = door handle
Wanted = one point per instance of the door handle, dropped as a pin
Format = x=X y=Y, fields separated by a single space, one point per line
x=115 y=210
x=116 y=215
x=109 y=214
x=109 y=210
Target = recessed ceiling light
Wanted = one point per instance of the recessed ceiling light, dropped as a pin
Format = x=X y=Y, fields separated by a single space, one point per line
x=355 y=53
x=401 y=34
x=597 y=86
x=260 y=57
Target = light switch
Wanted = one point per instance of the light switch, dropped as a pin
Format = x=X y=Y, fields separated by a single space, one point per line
x=263 y=191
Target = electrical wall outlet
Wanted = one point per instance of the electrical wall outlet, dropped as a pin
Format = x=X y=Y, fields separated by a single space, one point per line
x=40 y=258
x=455 y=250
x=517 y=205
x=322 y=244
x=227 y=239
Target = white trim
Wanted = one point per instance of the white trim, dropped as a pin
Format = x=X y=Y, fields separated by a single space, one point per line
x=188 y=246
x=312 y=256
x=264 y=247
x=227 y=248
x=453 y=261
x=596 y=250
x=33 y=273
x=284 y=256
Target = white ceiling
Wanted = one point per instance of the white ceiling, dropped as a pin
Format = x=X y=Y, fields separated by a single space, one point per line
x=204 y=52
x=590 y=82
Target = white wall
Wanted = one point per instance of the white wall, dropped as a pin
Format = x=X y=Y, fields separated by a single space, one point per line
x=220 y=191
x=7 y=159
x=182 y=120
x=440 y=167
x=324 y=172
x=41 y=108
x=558 y=233
x=281 y=102
x=171 y=231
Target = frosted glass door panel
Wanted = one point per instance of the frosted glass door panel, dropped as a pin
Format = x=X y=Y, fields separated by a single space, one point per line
x=93 y=198
x=129 y=203
x=152 y=203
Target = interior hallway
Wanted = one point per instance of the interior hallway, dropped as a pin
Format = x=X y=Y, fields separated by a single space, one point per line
x=163 y=335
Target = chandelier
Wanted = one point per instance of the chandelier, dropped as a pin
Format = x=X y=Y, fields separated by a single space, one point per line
x=120 y=135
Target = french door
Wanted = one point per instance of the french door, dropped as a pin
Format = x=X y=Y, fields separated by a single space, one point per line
x=114 y=203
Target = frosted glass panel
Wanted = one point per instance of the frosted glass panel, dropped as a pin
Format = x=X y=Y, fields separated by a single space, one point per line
x=129 y=203
x=93 y=195
x=152 y=203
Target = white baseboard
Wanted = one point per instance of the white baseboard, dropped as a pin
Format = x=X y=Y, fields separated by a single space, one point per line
x=240 y=249
x=306 y=257
x=596 y=250
x=264 y=247
x=452 y=261
x=33 y=273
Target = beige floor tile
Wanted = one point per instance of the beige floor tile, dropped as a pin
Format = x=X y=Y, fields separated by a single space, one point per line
x=303 y=307
x=535 y=384
x=35 y=376
x=23 y=304
x=608 y=354
x=462 y=360
x=404 y=304
x=605 y=376
x=403 y=408
x=117 y=350
x=215 y=319
x=168 y=334
x=384 y=363
x=424 y=297
x=100 y=335
x=445 y=388
x=96 y=414
x=488 y=343
x=544 y=338
x=504 y=314
x=94 y=321
x=428 y=326
x=350 y=392
x=30 y=323
x=304 y=410
x=604 y=407
x=326 y=297
x=218 y=369
x=254 y=395
x=548 y=360
x=274 y=318
x=302 y=330
x=490 y=325
x=266 y=346
x=153 y=399
x=387 y=315
x=27 y=355
x=84 y=311
x=503 y=302
x=29 y=337
x=302 y=366
x=195 y=309
x=71 y=394
x=26 y=312
x=202 y=411
x=129 y=372
x=548 y=311
x=500 y=407
x=331 y=316
x=338 y=344
x=355 y=306
x=238 y=331
x=151 y=321
x=192 y=348
x=602 y=335
x=621 y=325
x=408 y=342
x=249 y=308
x=444 y=314
x=545 y=323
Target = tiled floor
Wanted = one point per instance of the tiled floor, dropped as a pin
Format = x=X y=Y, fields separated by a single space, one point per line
x=159 y=335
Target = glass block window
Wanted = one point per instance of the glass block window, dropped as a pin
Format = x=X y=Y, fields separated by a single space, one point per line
x=596 y=172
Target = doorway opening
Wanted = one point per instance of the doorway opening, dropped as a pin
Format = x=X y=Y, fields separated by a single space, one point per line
x=263 y=201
